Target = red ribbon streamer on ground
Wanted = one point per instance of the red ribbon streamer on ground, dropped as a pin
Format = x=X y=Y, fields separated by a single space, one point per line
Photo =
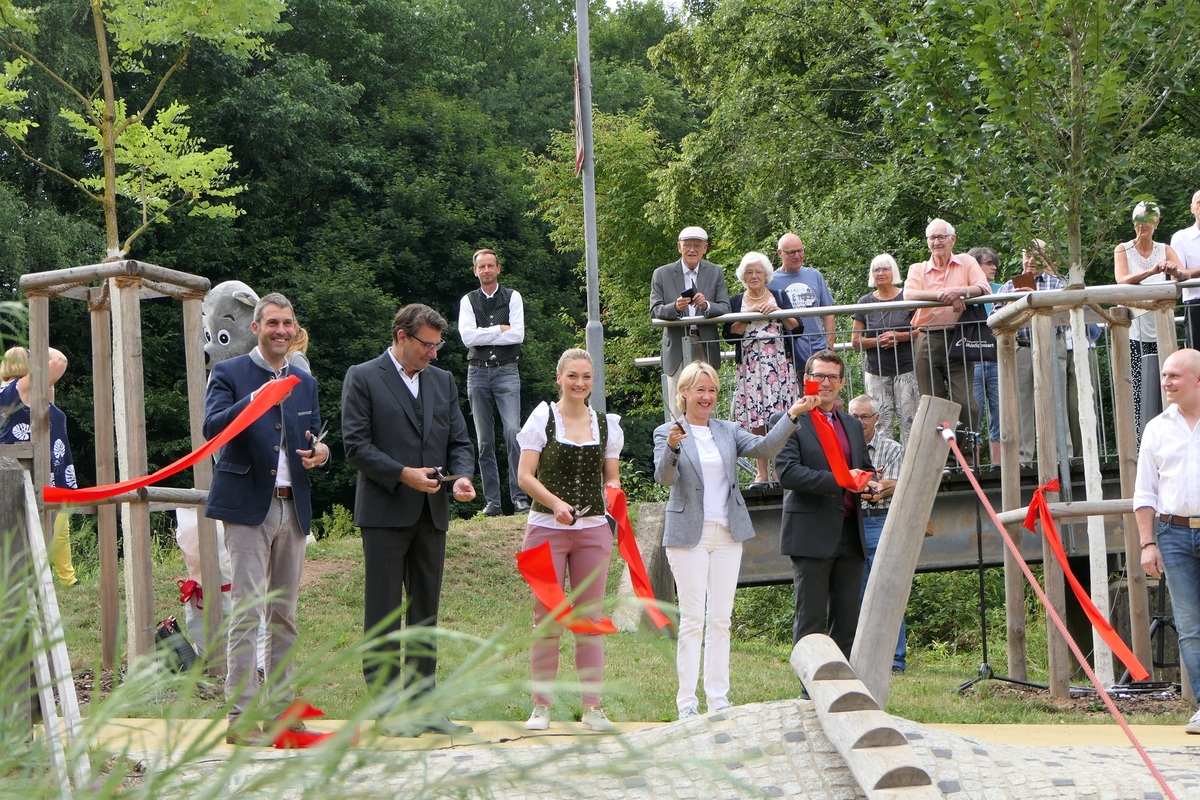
x=288 y=739
x=833 y=453
x=537 y=568
x=1039 y=510
x=268 y=396
x=627 y=544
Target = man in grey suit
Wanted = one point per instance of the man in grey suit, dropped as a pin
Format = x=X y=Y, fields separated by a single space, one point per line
x=690 y=288
x=406 y=435
x=822 y=530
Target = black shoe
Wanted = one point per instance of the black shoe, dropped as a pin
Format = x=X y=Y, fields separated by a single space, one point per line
x=759 y=485
x=520 y=508
x=492 y=510
x=897 y=670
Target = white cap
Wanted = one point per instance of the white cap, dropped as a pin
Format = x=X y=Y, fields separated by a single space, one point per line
x=693 y=232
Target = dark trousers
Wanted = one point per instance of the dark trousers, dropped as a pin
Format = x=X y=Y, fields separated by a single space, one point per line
x=402 y=564
x=830 y=588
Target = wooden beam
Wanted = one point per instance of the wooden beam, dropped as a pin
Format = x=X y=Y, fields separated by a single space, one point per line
x=900 y=545
x=1010 y=497
x=106 y=472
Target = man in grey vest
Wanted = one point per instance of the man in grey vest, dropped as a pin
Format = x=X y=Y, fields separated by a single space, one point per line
x=491 y=322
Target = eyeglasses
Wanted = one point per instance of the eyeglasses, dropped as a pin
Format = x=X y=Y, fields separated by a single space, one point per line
x=939 y=237
x=434 y=346
x=799 y=251
x=692 y=244
x=864 y=416
x=822 y=378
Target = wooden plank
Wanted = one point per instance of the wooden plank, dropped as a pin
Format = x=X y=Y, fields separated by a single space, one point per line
x=1017 y=314
x=53 y=639
x=60 y=280
x=1126 y=430
x=900 y=545
x=1045 y=361
x=106 y=472
x=1010 y=497
x=129 y=389
x=210 y=566
x=39 y=394
x=15 y=567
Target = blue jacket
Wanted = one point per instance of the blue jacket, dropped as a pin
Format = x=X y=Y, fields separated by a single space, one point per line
x=244 y=478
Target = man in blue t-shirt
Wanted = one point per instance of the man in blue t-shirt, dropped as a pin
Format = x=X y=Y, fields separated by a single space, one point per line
x=805 y=288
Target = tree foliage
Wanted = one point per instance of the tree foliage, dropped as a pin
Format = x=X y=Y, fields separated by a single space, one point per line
x=1035 y=107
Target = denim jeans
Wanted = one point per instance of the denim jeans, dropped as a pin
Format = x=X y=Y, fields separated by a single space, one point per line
x=987 y=397
x=496 y=389
x=1180 y=548
x=872 y=530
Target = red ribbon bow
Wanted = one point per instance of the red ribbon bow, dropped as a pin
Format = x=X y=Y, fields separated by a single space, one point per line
x=1040 y=510
x=288 y=739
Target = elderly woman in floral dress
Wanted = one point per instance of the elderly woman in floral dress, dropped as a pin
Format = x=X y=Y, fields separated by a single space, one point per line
x=766 y=377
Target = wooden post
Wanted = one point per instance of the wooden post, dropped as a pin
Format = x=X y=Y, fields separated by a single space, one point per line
x=1045 y=361
x=15 y=576
x=210 y=567
x=900 y=545
x=39 y=398
x=106 y=472
x=1010 y=497
x=129 y=388
x=1126 y=430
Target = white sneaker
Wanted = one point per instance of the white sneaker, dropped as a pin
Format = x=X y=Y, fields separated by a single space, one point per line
x=688 y=713
x=1193 y=725
x=594 y=719
x=539 y=720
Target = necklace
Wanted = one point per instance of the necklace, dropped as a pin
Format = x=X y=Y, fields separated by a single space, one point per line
x=756 y=299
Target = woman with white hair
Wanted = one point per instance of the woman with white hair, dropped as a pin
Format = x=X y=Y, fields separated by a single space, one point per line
x=766 y=378
x=1143 y=260
x=885 y=337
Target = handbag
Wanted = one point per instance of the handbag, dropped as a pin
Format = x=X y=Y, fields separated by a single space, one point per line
x=972 y=340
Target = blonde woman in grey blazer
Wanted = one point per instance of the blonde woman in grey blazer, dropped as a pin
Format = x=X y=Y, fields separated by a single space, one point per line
x=706 y=523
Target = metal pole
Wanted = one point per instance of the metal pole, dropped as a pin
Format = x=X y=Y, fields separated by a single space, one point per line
x=595 y=331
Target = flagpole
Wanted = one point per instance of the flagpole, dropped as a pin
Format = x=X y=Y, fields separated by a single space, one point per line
x=583 y=127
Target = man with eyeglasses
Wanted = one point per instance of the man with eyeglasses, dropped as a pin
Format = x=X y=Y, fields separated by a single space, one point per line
x=491 y=323
x=886 y=456
x=949 y=278
x=406 y=436
x=805 y=287
x=1033 y=262
x=688 y=289
x=822 y=527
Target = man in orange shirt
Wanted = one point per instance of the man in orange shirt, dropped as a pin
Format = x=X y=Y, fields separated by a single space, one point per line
x=948 y=278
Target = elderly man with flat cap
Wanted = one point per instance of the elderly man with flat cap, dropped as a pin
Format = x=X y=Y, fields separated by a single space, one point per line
x=688 y=289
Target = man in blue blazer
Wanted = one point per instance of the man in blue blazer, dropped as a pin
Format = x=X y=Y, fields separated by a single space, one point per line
x=690 y=288
x=260 y=491
x=822 y=529
x=404 y=432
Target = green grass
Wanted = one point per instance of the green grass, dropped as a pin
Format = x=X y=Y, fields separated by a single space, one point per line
x=486 y=615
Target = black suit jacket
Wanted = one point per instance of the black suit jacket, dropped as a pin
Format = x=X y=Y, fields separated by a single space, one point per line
x=812 y=499
x=383 y=435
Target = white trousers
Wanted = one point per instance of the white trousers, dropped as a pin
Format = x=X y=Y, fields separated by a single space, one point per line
x=705 y=579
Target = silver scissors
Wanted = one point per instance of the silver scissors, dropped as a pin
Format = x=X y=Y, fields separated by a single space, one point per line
x=576 y=513
x=320 y=437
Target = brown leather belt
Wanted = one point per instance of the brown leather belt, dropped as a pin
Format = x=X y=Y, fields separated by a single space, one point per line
x=283 y=492
x=1183 y=522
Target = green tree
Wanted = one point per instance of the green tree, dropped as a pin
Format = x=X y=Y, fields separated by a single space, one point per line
x=147 y=157
x=1034 y=109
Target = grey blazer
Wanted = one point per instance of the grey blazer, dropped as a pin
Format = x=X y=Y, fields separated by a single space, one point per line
x=685 y=507
x=665 y=287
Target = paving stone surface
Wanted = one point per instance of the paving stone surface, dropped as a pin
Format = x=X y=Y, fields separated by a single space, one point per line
x=761 y=750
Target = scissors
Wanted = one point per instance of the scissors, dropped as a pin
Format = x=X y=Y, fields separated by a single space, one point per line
x=576 y=513
x=321 y=434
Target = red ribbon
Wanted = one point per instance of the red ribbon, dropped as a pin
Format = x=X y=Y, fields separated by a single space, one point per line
x=627 y=545
x=833 y=453
x=537 y=567
x=268 y=396
x=1039 y=510
x=288 y=739
x=827 y=437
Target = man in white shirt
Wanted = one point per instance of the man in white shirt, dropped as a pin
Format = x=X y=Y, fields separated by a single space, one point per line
x=1186 y=244
x=491 y=322
x=1168 y=487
